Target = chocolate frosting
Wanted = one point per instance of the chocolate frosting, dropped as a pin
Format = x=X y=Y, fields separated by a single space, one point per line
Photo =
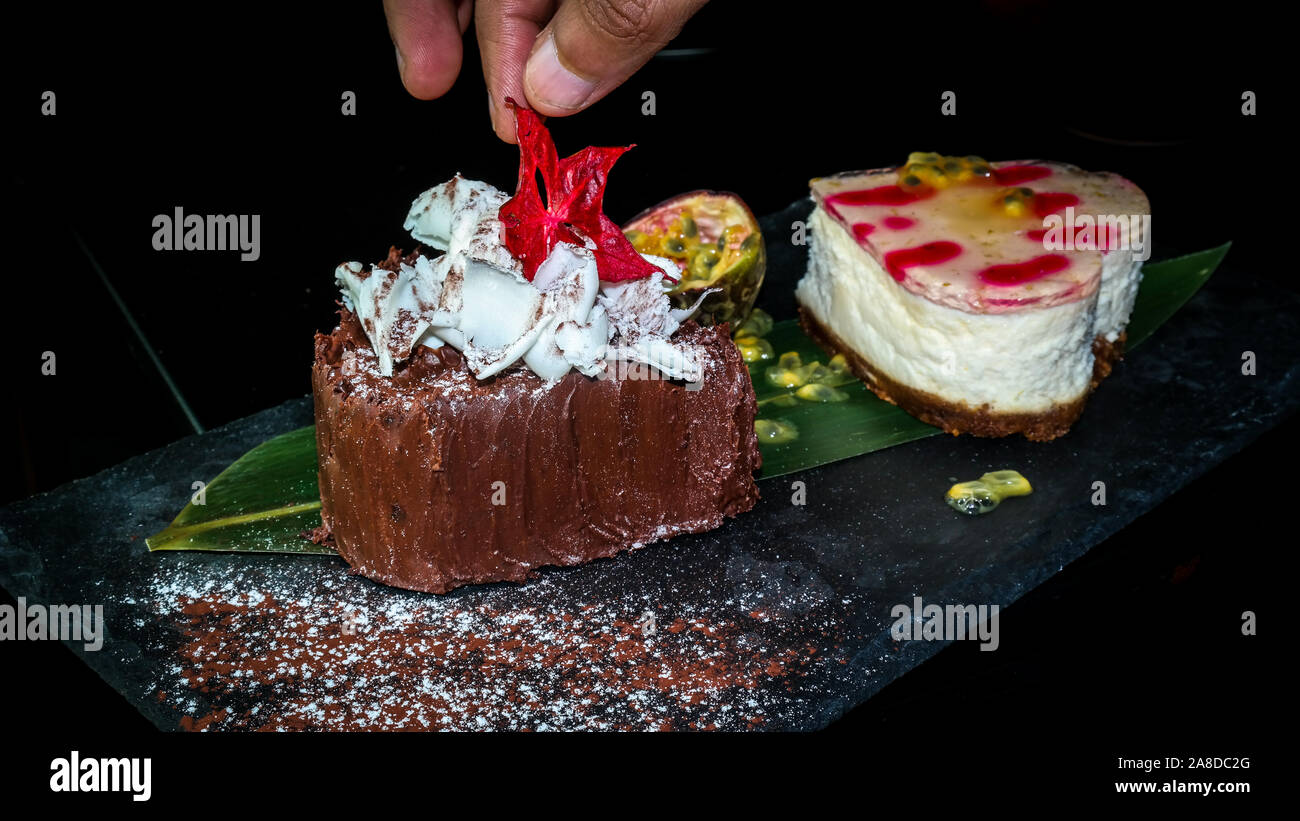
x=433 y=479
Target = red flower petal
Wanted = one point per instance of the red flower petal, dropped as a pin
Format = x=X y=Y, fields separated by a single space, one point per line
x=575 y=191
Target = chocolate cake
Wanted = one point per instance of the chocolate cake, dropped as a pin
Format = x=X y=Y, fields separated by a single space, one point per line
x=529 y=396
x=431 y=478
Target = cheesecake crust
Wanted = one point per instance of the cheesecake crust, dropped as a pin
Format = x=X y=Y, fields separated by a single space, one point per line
x=1105 y=355
x=958 y=417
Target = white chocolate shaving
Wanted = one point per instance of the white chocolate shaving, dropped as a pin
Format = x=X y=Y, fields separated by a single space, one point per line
x=475 y=298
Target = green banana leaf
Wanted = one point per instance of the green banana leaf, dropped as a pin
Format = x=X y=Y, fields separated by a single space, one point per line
x=260 y=504
x=1166 y=287
x=828 y=432
x=264 y=501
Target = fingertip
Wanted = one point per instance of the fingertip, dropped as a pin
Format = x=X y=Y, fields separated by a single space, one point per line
x=591 y=47
x=505 y=132
x=505 y=37
x=503 y=121
x=554 y=89
x=427 y=36
x=429 y=67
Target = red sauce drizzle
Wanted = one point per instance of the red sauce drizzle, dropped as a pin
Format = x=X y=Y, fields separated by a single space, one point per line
x=880 y=195
x=1017 y=174
x=1102 y=238
x=898 y=223
x=1047 y=202
x=862 y=230
x=1017 y=273
x=932 y=253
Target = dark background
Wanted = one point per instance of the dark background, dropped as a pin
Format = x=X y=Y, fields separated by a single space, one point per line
x=1135 y=650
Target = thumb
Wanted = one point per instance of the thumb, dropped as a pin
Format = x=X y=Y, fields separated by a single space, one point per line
x=591 y=46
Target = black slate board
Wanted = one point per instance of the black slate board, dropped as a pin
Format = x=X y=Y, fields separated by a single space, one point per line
x=777 y=620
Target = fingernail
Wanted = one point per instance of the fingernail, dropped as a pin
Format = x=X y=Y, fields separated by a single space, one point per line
x=551 y=83
x=401 y=62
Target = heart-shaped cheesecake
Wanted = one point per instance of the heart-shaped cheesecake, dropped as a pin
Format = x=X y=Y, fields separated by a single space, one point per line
x=984 y=298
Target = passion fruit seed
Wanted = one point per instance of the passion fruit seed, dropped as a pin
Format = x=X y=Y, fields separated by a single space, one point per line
x=791 y=372
x=784 y=377
x=937 y=171
x=759 y=323
x=753 y=349
x=775 y=431
x=821 y=393
x=972 y=498
x=1008 y=482
x=702 y=263
x=815 y=373
x=1015 y=201
x=987 y=492
x=716 y=244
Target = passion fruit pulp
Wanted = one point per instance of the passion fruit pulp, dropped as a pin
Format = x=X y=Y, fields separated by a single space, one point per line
x=716 y=243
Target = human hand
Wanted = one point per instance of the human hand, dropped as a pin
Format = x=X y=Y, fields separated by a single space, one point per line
x=558 y=55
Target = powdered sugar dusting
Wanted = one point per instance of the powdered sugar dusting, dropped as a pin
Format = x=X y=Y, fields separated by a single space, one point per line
x=297 y=647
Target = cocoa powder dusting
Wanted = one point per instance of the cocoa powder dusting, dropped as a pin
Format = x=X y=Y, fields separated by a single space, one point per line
x=258 y=652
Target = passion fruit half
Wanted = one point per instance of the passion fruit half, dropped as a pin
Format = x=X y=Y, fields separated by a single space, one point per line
x=716 y=243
